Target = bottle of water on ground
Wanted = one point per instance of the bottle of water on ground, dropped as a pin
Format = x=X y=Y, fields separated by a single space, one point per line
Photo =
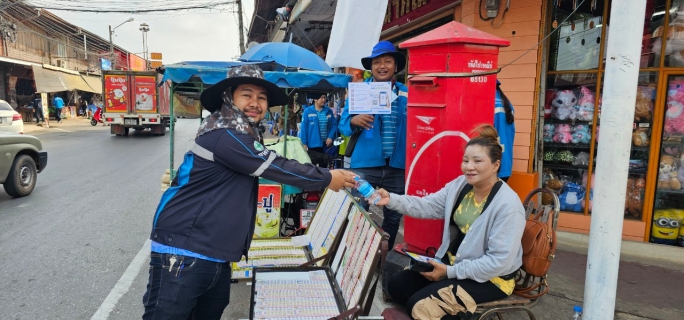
x=578 y=313
x=367 y=191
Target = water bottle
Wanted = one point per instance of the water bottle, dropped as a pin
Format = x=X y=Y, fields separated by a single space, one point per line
x=367 y=190
x=578 y=313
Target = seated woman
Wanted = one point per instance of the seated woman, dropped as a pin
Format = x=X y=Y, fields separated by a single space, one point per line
x=481 y=255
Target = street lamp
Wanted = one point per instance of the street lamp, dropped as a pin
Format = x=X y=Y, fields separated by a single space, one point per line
x=111 y=43
x=144 y=27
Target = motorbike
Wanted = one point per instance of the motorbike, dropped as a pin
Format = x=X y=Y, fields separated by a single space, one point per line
x=97 y=117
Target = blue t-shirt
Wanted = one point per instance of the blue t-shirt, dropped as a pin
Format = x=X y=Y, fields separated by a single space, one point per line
x=59 y=103
x=323 y=124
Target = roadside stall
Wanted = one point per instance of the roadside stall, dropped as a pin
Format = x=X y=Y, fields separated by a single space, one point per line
x=57 y=82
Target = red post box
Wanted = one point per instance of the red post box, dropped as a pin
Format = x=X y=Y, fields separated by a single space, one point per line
x=445 y=104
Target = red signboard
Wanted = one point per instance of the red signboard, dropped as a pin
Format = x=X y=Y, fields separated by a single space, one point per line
x=116 y=93
x=136 y=63
x=145 y=98
x=400 y=12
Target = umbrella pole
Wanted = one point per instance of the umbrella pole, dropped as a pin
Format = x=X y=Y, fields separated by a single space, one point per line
x=287 y=128
x=172 y=174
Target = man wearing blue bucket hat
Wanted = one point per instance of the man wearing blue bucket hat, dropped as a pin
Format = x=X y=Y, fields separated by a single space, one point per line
x=379 y=154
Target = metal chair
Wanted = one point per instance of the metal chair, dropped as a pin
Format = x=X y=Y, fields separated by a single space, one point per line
x=515 y=302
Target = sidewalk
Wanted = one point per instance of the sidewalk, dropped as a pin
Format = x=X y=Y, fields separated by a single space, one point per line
x=32 y=128
x=647 y=288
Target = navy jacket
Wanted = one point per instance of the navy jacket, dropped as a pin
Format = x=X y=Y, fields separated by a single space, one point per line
x=211 y=205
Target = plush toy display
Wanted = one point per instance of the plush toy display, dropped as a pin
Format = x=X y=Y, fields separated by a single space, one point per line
x=591 y=190
x=680 y=214
x=563 y=133
x=597 y=132
x=674 y=116
x=667 y=174
x=581 y=134
x=585 y=105
x=680 y=170
x=549 y=131
x=666 y=225
x=643 y=110
x=564 y=104
x=571 y=196
x=564 y=157
x=550 y=156
x=640 y=137
x=548 y=103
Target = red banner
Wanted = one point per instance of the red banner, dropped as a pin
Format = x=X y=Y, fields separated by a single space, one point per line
x=400 y=12
x=116 y=91
x=145 y=97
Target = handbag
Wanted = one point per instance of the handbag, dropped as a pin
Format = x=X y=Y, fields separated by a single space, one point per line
x=351 y=144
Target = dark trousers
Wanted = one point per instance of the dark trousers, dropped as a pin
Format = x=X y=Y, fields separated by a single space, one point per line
x=38 y=113
x=318 y=157
x=392 y=180
x=58 y=114
x=408 y=287
x=200 y=290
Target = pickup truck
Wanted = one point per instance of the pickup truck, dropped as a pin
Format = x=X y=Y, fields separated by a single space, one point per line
x=21 y=159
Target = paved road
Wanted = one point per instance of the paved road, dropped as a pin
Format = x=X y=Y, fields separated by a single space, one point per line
x=64 y=248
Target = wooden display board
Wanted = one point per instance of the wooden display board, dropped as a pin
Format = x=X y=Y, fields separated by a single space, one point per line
x=320 y=238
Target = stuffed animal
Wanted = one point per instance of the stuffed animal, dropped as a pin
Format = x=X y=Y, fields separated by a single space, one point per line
x=674 y=116
x=581 y=134
x=643 y=110
x=588 y=202
x=635 y=197
x=549 y=132
x=571 y=196
x=550 y=156
x=680 y=214
x=585 y=105
x=597 y=133
x=563 y=133
x=555 y=186
x=667 y=175
x=640 y=137
x=665 y=228
x=564 y=103
x=564 y=157
x=548 y=103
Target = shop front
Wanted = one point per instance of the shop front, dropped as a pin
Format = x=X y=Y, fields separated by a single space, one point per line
x=570 y=118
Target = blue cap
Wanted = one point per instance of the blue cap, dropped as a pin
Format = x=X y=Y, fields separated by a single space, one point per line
x=578 y=309
x=382 y=48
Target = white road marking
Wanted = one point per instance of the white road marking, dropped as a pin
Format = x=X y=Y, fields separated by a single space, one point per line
x=124 y=283
x=61 y=130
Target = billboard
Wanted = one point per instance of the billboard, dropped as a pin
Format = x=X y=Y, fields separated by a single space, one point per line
x=136 y=63
x=105 y=64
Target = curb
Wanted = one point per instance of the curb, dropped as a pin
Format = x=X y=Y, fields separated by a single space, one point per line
x=644 y=250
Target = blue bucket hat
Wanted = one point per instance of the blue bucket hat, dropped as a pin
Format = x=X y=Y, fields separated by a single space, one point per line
x=382 y=48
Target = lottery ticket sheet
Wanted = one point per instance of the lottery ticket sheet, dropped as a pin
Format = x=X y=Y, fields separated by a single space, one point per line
x=290 y=294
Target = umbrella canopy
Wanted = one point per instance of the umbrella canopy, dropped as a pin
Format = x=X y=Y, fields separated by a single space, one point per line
x=287 y=54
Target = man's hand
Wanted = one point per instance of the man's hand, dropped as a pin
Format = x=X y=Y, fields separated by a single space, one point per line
x=328 y=142
x=305 y=147
x=363 y=121
x=384 y=197
x=341 y=179
x=439 y=273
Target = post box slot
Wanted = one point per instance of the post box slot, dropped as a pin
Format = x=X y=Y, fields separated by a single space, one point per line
x=422 y=81
x=426 y=105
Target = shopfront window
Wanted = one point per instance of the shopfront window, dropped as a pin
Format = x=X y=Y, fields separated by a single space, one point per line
x=577 y=43
x=674 y=35
x=669 y=196
x=654 y=23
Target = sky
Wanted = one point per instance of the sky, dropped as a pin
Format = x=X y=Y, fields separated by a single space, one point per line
x=199 y=35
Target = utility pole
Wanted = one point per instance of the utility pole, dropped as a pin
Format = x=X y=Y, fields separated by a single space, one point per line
x=111 y=45
x=612 y=163
x=241 y=26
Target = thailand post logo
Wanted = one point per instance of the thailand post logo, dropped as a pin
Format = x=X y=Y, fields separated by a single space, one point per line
x=425 y=119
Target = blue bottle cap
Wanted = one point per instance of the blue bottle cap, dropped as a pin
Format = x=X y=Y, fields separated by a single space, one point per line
x=578 y=309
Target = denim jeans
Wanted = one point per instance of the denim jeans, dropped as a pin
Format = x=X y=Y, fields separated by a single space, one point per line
x=38 y=113
x=58 y=114
x=200 y=290
x=392 y=180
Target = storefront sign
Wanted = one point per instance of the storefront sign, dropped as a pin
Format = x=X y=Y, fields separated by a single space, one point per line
x=136 y=63
x=155 y=55
x=155 y=64
x=106 y=64
x=268 y=211
x=116 y=91
x=400 y=12
x=145 y=97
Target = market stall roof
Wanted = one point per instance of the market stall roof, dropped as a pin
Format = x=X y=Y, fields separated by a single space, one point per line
x=49 y=81
x=94 y=82
x=211 y=72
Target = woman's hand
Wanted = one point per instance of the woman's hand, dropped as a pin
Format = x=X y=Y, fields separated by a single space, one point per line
x=384 y=197
x=439 y=273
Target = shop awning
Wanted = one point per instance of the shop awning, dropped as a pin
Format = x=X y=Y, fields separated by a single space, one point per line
x=94 y=82
x=16 y=61
x=48 y=81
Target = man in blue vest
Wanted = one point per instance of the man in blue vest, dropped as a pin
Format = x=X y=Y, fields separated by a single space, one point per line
x=380 y=157
x=59 y=104
x=319 y=128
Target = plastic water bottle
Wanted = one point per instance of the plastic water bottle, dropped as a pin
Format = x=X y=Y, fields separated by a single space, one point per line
x=367 y=190
x=578 y=313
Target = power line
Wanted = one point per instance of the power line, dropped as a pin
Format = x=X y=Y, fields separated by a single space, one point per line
x=123 y=6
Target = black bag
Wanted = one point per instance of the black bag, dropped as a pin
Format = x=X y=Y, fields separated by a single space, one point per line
x=352 y=142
